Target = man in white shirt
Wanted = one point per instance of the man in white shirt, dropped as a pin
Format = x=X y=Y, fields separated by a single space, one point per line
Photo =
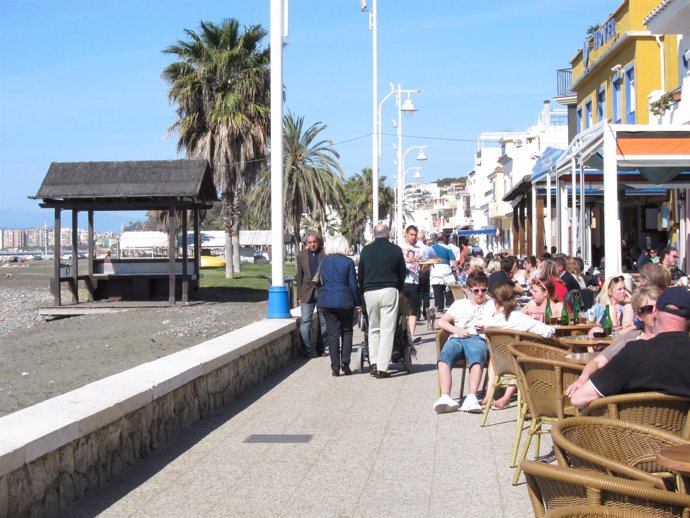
x=465 y=321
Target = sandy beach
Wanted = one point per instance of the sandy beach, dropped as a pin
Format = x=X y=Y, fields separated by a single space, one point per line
x=40 y=359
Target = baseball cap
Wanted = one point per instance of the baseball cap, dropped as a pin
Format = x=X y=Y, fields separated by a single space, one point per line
x=679 y=298
x=477 y=250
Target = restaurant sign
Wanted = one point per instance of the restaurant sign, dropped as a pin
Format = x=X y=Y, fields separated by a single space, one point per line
x=601 y=36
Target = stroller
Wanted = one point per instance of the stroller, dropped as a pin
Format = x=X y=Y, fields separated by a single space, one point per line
x=403 y=350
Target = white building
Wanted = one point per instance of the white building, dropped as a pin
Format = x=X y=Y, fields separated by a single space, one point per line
x=503 y=162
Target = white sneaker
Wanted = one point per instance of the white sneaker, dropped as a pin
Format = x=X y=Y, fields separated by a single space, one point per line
x=471 y=405
x=445 y=404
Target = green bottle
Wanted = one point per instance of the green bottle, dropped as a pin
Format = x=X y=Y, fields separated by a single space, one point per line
x=565 y=318
x=547 y=312
x=607 y=324
x=576 y=310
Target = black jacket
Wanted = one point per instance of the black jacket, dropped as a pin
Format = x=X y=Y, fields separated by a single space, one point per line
x=381 y=265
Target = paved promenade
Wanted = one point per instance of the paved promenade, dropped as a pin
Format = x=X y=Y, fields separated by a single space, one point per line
x=305 y=444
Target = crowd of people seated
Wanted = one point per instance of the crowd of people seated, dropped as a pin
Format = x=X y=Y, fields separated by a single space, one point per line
x=656 y=303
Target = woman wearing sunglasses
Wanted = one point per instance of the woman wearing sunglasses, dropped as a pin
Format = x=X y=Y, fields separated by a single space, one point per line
x=542 y=291
x=464 y=320
x=616 y=296
x=643 y=302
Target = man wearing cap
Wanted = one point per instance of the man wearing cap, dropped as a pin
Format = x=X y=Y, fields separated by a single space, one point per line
x=659 y=364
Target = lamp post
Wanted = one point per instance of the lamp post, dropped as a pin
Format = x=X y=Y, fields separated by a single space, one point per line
x=408 y=108
x=421 y=158
x=373 y=27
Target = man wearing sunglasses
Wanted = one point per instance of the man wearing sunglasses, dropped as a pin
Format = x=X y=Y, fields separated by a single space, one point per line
x=659 y=364
x=669 y=259
x=464 y=320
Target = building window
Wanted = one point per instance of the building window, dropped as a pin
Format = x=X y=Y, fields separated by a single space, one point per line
x=579 y=119
x=601 y=104
x=588 y=113
x=630 y=95
x=617 y=100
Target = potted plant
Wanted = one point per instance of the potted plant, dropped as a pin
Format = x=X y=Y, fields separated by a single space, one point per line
x=662 y=104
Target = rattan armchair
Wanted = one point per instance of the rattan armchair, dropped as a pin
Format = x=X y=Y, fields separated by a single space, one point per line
x=614 y=447
x=594 y=511
x=505 y=370
x=551 y=487
x=662 y=411
x=542 y=381
x=441 y=336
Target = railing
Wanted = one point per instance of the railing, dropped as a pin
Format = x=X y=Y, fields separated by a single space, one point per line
x=564 y=79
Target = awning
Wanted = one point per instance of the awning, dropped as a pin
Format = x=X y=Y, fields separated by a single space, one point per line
x=478 y=231
x=547 y=162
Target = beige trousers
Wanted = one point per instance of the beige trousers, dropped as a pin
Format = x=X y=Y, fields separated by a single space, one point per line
x=382 y=310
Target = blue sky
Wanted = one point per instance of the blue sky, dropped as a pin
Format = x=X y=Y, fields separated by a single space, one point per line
x=80 y=80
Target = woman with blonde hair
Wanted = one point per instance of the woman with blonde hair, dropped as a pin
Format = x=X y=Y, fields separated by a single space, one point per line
x=338 y=299
x=614 y=295
x=573 y=269
x=643 y=301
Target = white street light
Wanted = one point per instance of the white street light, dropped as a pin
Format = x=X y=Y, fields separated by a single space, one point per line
x=375 y=137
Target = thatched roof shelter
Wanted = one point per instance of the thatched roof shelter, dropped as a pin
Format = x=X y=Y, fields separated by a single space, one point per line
x=172 y=185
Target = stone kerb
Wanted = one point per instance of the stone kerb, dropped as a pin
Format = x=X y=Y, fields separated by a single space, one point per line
x=52 y=452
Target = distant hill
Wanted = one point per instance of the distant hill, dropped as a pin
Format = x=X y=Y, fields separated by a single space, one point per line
x=444 y=182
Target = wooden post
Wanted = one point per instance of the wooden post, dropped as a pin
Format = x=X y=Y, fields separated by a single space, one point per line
x=540 y=226
x=57 y=230
x=197 y=252
x=521 y=227
x=185 y=255
x=74 y=283
x=172 y=248
x=515 y=232
x=528 y=226
x=92 y=257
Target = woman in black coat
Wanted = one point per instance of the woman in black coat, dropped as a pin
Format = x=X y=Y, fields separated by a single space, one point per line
x=338 y=300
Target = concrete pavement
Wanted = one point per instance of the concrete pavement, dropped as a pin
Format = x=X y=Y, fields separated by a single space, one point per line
x=303 y=443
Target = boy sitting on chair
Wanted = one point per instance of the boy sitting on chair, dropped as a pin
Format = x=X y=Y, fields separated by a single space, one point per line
x=464 y=320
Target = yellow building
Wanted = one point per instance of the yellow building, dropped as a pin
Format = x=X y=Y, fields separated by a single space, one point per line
x=622 y=66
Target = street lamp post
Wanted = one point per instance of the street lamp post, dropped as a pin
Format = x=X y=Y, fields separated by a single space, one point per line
x=373 y=26
x=408 y=108
x=421 y=157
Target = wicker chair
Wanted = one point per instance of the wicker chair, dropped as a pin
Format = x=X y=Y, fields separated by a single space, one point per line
x=441 y=337
x=551 y=487
x=505 y=369
x=662 y=411
x=614 y=447
x=458 y=291
x=594 y=511
x=542 y=380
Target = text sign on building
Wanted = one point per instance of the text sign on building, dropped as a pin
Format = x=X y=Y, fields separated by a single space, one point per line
x=603 y=35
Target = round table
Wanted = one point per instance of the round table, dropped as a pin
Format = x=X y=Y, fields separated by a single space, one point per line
x=676 y=458
x=572 y=329
x=585 y=341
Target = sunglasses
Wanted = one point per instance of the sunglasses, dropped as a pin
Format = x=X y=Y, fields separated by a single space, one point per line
x=617 y=279
x=646 y=310
x=477 y=291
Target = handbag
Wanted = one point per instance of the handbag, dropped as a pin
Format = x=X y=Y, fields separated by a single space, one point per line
x=317 y=281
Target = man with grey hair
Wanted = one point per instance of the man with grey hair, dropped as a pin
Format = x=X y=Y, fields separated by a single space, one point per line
x=307 y=264
x=381 y=276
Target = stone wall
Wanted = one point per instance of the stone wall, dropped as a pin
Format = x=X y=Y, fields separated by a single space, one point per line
x=45 y=485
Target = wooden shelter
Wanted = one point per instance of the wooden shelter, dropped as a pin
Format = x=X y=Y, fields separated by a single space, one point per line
x=171 y=185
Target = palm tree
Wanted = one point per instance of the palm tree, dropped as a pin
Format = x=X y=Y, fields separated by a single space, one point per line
x=221 y=86
x=312 y=181
x=359 y=203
